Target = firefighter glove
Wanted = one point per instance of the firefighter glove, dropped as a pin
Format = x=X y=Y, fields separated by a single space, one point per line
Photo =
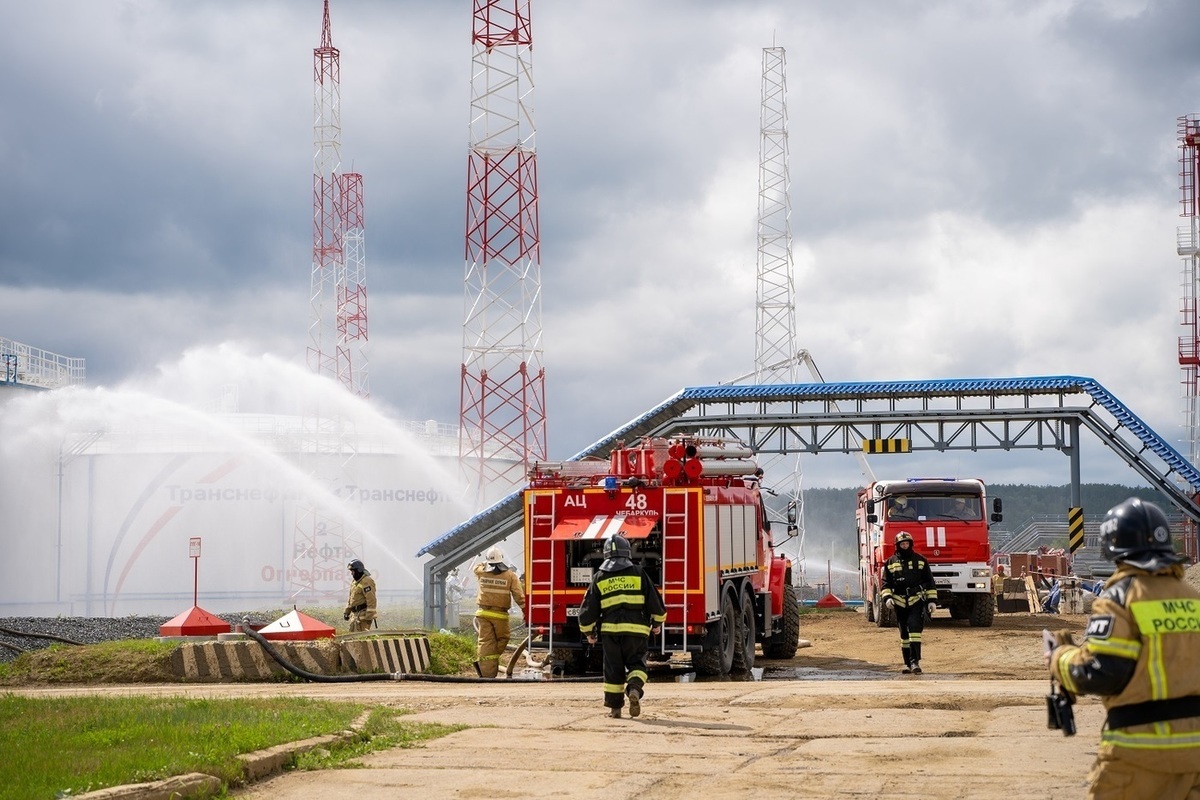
x=888 y=602
x=346 y=615
x=932 y=607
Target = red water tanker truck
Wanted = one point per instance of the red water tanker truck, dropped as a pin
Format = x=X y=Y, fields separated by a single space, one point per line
x=948 y=520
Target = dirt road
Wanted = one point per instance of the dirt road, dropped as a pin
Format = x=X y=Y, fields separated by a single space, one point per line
x=843 y=723
x=839 y=720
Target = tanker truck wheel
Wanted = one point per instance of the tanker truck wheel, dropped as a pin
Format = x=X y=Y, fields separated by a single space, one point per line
x=747 y=632
x=719 y=660
x=981 y=611
x=785 y=643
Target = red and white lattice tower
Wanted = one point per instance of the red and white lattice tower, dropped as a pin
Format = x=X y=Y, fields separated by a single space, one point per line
x=323 y=543
x=1188 y=244
x=502 y=420
x=338 y=293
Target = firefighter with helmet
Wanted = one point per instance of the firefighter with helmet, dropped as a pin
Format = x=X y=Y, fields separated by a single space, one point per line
x=1139 y=653
x=360 y=608
x=908 y=589
x=499 y=588
x=624 y=604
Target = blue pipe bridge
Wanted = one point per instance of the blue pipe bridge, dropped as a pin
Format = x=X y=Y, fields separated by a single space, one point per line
x=976 y=414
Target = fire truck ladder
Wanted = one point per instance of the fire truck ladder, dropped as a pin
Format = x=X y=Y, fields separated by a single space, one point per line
x=541 y=565
x=676 y=560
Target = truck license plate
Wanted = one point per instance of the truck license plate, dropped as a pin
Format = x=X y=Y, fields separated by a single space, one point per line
x=572 y=611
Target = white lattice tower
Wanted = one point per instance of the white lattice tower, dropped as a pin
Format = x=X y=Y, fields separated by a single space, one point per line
x=775 y=336
x=502 y=420
x=775 y=351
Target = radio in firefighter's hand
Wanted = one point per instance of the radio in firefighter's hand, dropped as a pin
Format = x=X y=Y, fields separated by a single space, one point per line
x=1059 y=712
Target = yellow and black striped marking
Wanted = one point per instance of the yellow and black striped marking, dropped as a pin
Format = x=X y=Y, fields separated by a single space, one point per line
x=887 y=446
x=1075 y=527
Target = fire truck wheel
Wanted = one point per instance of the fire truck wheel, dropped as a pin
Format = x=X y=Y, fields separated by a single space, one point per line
x=785 y=643
x=981 y=611
x=746 y=633
x=719 y=660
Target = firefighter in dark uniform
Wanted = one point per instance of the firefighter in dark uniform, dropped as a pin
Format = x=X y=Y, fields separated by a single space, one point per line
x=499 y=588
x=626 y=605
x=907 y=589
x=360 y=607
x=1140 y=653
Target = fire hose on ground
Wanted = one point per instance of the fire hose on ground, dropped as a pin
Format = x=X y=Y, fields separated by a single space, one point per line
x=392 y=676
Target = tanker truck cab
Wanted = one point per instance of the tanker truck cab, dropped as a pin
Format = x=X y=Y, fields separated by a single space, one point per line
x=948 y=519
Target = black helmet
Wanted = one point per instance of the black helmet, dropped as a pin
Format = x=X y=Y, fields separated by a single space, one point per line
x=1137 y=533
x=903 y=536
x=356 y=568
x=617 y=554
x=617 y=547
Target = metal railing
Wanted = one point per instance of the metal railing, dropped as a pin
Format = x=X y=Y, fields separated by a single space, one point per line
x=32 y=366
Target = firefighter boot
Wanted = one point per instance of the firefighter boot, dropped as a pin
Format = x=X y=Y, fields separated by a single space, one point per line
x=904 y=651
x=916 y=658
x=635 y=702
x=615 y=713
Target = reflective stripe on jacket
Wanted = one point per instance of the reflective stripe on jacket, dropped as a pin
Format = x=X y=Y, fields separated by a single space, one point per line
x=907 y=580
x=622 y=602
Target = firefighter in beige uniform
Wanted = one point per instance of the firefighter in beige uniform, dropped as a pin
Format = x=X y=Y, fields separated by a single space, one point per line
x=499 y=588
x=360 y=606
x=1140 y=654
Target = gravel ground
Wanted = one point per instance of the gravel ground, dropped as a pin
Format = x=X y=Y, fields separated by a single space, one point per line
x=85 y=630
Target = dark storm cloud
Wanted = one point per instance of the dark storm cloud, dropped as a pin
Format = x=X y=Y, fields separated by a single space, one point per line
x=158 y=157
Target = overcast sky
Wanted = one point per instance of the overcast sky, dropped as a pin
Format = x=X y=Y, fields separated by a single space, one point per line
x=982 y=189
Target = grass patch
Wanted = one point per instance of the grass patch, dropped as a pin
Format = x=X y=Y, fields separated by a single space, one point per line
x=58 y=747
x=149 y=661
x=61 y=747
x=385 y=728
x=123 y=661
x=451 y=653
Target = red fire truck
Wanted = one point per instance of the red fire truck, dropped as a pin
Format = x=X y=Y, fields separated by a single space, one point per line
x=948 y=520
x=693 y=514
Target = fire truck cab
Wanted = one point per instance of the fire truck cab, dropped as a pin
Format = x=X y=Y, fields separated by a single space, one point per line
x=695 y=519
x=948 y=519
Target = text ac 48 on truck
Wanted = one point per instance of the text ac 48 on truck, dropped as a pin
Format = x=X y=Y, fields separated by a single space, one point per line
x=692 y=511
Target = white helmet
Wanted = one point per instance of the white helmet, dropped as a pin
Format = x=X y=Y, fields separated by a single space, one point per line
x=494 y=555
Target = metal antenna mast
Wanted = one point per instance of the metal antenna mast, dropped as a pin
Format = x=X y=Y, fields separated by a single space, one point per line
x=776 y=357
x=323 y=542
x=1188 y=247
x=502 y=421
x=775 y=337
x=338 y=271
